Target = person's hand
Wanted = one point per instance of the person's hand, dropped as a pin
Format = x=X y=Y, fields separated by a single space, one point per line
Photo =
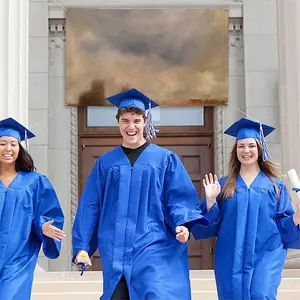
x=83 y=257
x=212 y=189
x=53 y=232
x=182 y=234
x=296 y=216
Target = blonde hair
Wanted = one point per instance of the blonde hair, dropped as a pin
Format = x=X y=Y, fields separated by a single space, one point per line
x=269 y=168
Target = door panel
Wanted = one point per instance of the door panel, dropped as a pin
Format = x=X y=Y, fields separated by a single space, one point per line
x=196 y=160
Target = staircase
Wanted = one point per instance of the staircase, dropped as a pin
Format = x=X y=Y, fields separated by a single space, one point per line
x=71 y=286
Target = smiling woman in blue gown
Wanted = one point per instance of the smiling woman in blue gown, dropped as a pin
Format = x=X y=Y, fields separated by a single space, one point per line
x=254 y=220
x=28 y=208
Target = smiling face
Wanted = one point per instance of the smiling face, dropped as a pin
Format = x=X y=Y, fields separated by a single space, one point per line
x=247 y=151
x=132 y=129
x=9 y=150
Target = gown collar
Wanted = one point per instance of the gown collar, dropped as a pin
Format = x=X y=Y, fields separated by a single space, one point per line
x=257 y=182
x=140 y=159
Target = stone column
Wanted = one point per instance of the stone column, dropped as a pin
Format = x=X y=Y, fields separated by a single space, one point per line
x=289 y=86
x=3 y=57
x=14 y=59
x=261 y=68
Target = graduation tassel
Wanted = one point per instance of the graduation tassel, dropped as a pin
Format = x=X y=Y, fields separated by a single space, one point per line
x=150 y=128
x=83 y=267
x=266 y=154
x=26 y=140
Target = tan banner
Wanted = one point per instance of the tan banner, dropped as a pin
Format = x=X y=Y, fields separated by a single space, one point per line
x=177 y=57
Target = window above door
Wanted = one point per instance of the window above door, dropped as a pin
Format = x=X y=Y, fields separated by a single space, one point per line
x=165 y=116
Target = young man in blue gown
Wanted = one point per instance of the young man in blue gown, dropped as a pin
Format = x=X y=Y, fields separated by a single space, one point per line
x=136 y=208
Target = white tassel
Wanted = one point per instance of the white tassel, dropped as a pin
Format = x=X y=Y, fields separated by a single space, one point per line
x=266 y=154
x=150 y=128
x=26 y=140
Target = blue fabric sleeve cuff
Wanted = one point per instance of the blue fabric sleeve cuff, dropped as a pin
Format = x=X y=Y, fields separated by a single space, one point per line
x=288 y=224
x=193 y=216
x=213 y=215
x=51 y=248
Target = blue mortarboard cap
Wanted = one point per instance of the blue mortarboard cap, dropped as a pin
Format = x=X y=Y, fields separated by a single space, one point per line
x=10 y=127
x=245 y=128
x=132 y=98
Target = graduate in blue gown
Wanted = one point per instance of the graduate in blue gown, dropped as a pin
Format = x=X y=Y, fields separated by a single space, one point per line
x=30 y=214
x=252 y=217
x=136 y=207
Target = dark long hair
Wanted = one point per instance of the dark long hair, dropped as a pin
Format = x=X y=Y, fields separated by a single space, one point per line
x=24 y=161
x=268 y=167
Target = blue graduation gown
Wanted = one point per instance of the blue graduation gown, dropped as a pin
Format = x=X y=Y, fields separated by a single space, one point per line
x=253 y=231
x=25 y=206
x=131 y=214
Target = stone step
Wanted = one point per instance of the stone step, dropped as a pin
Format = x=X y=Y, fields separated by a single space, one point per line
x=70 y=285
x=97 y=276
x=197 y=284
x=96 y=286
x=207 y=295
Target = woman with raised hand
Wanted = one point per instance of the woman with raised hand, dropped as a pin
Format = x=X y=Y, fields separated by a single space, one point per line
x=253 y=218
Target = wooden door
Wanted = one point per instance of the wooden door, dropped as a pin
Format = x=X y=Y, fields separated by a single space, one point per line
x=196 y=159
x=192 y=145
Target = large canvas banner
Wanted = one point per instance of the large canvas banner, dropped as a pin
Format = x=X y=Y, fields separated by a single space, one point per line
x=177 y=57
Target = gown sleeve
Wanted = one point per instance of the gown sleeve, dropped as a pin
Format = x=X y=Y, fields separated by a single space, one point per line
x=214 y=218
x=85 y=228
x=48 y=208
x=181 y=198
x=290 y=233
